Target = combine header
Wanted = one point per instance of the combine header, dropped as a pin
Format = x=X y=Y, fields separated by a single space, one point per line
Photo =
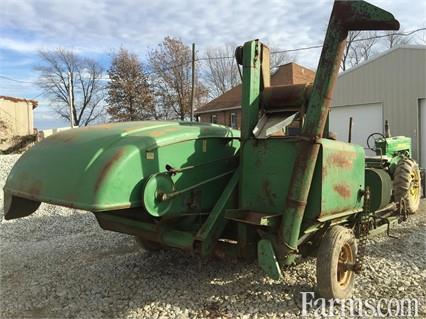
x=285 y=188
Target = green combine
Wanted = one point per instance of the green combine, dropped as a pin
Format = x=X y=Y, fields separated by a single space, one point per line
x=282 y=189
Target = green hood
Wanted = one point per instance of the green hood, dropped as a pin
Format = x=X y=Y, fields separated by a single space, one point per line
x=102 y=167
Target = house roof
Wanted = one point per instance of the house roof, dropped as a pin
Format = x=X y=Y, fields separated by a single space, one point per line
x=231 y=99
x=18 y=99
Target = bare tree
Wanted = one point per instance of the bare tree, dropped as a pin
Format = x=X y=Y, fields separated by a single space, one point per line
x=393 y=39
x=280 y=57
x=359 y=47
x=129 y=94
x=171 y=66
x=422 y=38
x=362 y=48
x=61 y=67
x=352 y=36
x=222 y=70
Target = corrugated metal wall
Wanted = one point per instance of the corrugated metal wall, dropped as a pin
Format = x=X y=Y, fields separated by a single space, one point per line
x=397 y=79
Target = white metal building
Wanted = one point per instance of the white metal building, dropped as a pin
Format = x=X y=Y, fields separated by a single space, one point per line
x=391 y=86
x=16 y=118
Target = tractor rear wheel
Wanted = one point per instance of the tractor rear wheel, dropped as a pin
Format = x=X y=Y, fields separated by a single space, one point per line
x=335 y=260
x=406 y=184
x=148 y=244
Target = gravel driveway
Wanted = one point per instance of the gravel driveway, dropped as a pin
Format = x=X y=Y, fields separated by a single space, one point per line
x=59 y=263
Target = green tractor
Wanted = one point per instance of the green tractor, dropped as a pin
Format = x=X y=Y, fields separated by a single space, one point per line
x=393 y=155
x=280 y=189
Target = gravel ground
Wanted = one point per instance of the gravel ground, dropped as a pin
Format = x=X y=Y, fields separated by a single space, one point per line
x=58 y=263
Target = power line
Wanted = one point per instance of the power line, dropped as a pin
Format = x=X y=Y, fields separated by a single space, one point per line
x=15 y=80
x=33 y=98
x=317 y=46
x=356 y=40
x=300 y=49
x=232 y=57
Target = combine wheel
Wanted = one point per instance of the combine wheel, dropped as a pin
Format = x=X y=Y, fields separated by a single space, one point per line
x=335 y=260
x=406 y=184
x=148 y=245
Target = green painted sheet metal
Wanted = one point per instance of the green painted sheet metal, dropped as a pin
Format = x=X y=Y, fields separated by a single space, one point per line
x=269 y=163
x=336 y=184
x=268 y=260
x=345 y=16
x=250 y=99
x=156 y=233
x=250 y=102
x=103 y=167
x=212 y=228
x=342 y=176
x=380 y=184
x=253 y=218
x=392 y=146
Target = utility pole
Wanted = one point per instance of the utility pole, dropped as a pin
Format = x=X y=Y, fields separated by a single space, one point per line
x=70 y=99
x=193 y=82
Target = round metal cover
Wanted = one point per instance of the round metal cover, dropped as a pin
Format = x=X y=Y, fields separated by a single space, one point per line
x=154 y=187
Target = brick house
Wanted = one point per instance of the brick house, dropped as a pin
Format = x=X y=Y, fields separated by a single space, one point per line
x=226 y=109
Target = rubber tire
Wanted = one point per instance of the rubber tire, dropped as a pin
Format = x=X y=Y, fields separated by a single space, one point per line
x=148 y=245
x=402 y=181
x=327 y=262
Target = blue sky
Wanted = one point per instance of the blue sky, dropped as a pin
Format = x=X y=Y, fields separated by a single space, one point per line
x=98 y=28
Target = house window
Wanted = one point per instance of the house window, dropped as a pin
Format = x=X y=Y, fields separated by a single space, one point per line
x=233 y=120
x=213 y=118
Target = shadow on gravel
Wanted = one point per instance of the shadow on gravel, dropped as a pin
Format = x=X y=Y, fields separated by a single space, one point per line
x=64 y=265
x=212 y=288
x=115 y=284
x=77 y=270
x=405 y=248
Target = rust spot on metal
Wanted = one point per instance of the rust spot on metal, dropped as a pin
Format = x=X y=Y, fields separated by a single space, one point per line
x=107 y=167
x=253 y=217
x=66 y=136
x=295 y=203
x=324 y=171
x=71 y=197
x=266 y=186
x=360 y=19
x=28 y=185
x=162 y=131
x=35 y=189
x=286 y=96
x=103 y=126
x=343 y=190
x=341 y=159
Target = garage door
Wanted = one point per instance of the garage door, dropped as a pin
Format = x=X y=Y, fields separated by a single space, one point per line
x=422 y=106
x=367 y=119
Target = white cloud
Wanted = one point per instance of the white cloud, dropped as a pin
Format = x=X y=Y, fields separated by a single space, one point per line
x=20 y=45
x=100 y=27
x=137 y=24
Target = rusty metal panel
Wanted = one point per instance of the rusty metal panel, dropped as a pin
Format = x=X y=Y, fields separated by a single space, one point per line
x=269 y=163
x=336 y=184
x=342 y=176
x=286 y=96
